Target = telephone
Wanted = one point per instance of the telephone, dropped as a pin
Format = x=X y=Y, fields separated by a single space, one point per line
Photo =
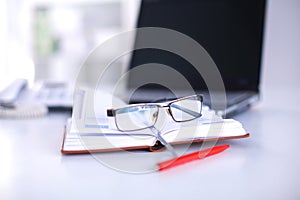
x=55 y=95
x=12 y=91
x=18 y=100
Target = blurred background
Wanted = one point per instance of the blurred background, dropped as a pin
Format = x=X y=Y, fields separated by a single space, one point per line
x=49 y=40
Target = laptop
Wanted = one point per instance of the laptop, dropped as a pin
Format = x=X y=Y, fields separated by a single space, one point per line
x=231 y=31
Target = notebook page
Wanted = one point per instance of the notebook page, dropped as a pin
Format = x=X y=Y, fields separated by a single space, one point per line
x=76 y=141
x=224 y=128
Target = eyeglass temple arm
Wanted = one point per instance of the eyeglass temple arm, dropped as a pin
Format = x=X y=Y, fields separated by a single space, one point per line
x=163 y=141
x=193 y=113
x=112 y=112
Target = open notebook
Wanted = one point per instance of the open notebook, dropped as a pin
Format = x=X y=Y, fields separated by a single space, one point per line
x=106 y=139
x=89 y=130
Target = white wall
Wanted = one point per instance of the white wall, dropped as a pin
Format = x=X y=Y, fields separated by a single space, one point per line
x=2 y=41
x=17 y=32
x=281 y=66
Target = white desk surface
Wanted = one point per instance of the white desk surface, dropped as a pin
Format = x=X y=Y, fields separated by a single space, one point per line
x=264 y=166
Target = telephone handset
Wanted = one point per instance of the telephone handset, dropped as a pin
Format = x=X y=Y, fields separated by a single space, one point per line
x=10 y=107
x=17 y=100
x=11 y=93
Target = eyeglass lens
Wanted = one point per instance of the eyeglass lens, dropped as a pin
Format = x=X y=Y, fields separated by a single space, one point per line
x=186 y=109
x=136 y=117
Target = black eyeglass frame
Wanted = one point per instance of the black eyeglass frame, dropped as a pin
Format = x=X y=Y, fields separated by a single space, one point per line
x=113 y=111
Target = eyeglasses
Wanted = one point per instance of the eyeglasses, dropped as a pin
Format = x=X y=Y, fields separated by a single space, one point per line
x=141 y=116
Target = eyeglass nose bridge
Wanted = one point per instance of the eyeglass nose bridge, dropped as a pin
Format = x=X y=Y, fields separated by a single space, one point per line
x=168 y=110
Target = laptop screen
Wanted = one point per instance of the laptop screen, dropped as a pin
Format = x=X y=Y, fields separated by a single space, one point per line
x=230 y=31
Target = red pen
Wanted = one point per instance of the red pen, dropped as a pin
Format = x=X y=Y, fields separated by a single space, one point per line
x=192 y=156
